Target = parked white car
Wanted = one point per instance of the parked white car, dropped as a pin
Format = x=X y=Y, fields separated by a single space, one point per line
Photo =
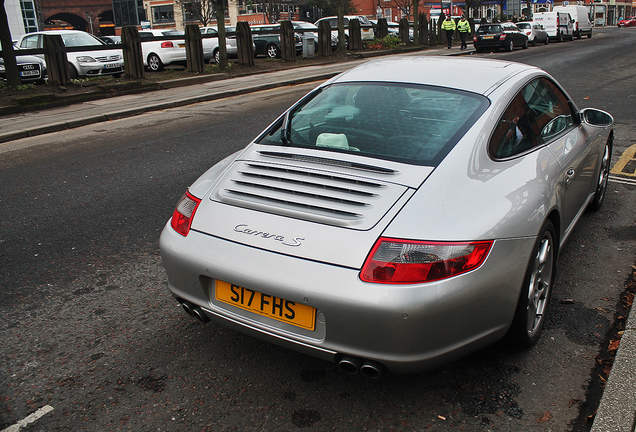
x=82 y=63
x=367 y=33
x=158 y=54
x=535 y=32
x=211 y=45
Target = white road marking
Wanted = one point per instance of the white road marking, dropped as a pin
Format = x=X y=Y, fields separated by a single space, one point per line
x=30 y=419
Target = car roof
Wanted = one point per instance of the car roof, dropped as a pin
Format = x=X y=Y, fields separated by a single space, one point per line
x=477 y=75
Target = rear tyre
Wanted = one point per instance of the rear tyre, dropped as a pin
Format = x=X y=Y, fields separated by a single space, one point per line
x=154 y=63
x=603 y=176
x=216 y=56
x=511 y=45
x=537 y=287
x=560 y=37
x=534 y=42
x=547 y=40
x=525 y=44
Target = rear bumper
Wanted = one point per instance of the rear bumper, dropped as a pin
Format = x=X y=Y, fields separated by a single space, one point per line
x=407 y=328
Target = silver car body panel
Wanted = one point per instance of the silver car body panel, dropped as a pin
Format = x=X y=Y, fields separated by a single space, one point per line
x=301 y=252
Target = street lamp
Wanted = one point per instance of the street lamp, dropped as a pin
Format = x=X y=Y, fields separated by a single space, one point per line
x=89 y=17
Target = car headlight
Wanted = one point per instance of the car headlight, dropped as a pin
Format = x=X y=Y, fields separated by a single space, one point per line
x=85 y=59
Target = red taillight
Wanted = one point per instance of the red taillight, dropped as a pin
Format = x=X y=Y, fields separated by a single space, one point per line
x=167 y=44
x=475 y=38
x=502 y=37
x=398 y=261
x=183 y=214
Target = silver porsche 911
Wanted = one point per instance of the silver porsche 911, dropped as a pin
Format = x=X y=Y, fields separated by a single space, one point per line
x=402 y=214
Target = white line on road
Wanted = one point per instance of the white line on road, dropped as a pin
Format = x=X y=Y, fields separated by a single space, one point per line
x=30 y=419
x=615 y=179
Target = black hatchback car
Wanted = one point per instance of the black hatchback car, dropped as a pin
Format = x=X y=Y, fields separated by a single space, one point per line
x=489 y=37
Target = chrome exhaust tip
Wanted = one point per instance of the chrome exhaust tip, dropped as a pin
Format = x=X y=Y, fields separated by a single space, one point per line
x=188 y=308
x=371 y=369
x=350 y=365
x=194 y=311
x=200 y=315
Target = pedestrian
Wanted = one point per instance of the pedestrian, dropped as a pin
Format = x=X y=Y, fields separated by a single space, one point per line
x=463 y=26
x=449 y=26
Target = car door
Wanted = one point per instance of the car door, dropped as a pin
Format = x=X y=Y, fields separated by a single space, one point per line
x=541 y=115
x=561 y=130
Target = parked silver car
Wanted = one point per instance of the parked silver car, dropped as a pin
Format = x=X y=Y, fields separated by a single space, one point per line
x=534 y=32
x=400 y=215
x=83 y=63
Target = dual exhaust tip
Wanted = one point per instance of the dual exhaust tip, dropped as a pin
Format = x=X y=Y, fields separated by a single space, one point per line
x=351 y=365
x=366 y=368
x=194 y=311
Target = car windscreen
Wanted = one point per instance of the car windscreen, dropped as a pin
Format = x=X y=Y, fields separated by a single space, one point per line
x=489 y=29
x=80 y=39
x=414 y=124
x=523 y=25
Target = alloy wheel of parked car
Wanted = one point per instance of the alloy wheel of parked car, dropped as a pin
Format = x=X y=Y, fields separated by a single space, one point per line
x=525 y=44
x=535 y=295
x=273 y=51
x=217 y=55
x=154 y=63
x=511 y=45
x=547 y=40
x=603 y=177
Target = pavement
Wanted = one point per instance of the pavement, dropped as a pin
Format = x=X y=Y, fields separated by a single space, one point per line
x=617 y=409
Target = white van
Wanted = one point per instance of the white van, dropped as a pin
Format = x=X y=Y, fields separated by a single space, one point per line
x=581 y=17
x=558 y=25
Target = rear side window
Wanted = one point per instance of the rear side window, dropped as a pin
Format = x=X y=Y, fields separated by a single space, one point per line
x=539 y=113
x=31 y=41
x=407 y=123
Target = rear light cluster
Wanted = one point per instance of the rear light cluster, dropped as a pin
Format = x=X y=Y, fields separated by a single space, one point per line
x=502 y=37
x=183 y=214
x=167 y=44
x=395 y=261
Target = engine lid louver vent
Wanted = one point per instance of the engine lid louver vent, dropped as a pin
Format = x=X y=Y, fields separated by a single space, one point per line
x=310 y=191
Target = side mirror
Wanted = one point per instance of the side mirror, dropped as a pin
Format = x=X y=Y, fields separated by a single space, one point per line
x=596 y=117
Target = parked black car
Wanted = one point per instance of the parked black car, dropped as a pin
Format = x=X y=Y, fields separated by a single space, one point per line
x=32 y=69
x=489 y=37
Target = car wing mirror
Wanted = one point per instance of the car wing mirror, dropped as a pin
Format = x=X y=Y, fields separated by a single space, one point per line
x=596 y=117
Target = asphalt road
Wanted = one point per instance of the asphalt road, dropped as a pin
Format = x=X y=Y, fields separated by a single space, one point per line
x=89 y=329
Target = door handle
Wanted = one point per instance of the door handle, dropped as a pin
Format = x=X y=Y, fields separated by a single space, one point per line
x=569 y=176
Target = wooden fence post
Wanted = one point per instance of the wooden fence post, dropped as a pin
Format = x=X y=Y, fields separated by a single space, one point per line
x=133 y=56
x=194 y=49
x=324 y=39
x=404 y=31
x=383 y=29
x=244 y=44
x=287 y=41
x=422 y=35
x=355 y=35
x=56 y=61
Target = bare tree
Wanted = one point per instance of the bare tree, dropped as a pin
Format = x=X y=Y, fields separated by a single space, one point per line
x=202 y=10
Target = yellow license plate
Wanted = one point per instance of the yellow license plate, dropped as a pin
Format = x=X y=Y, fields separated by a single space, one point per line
x=181 y=45
x=276 y=308
x=488 y=37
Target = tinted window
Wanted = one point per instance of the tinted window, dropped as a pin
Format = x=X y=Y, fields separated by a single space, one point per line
x=489 y=29
x=408 y=123
x=537 y=114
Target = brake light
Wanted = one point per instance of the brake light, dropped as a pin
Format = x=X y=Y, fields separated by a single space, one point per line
x=167 y=44
x=502 y=36
x=183 y=214
x=398 y=261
